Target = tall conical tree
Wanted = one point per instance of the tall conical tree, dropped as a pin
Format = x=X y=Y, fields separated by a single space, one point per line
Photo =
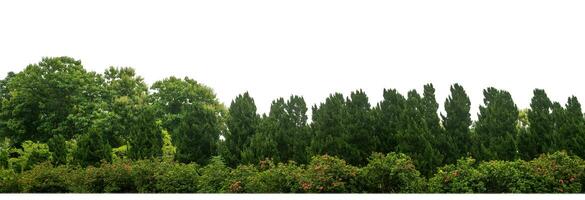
x=388 y=115
x=457 y=122
x=413 y=137
x=242 y=123
x=361 y=136
x=58 y=149
x=262 y=144
x=329 y=127
x=572 y=128
x=496 y=126
x=430 y=108
x=539 y=138
x=290 y=128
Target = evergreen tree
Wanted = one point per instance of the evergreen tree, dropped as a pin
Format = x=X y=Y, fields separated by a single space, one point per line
x=572 y=128
x=290 y=129
x=145 y=135
x=539 y=138
x=329 y=127
x=242 y=123
x=496 y=126
x=414 y=137
x=388 y=115
x=429 y=109
x=457 y=122
x=262 y=145
x=58 y=149
x=361 y=136
x=93 y=147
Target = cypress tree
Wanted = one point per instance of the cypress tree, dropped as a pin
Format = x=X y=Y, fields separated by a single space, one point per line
x=572 y=128
x=539 y=138
x=429 y=109
x=58 y=149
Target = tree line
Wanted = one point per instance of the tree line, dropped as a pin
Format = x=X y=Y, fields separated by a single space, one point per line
x=56 y=110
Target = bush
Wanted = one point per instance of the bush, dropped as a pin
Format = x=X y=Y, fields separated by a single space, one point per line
x=8 y=181
x=393 y=173
x=44 y=178
x=281 y=178
x=32 y=153
x=164 y=177
x=328 y=174
x=238 y=179
x=108 y=178
x=557 y=172
x=459 y=178
x=213 y=176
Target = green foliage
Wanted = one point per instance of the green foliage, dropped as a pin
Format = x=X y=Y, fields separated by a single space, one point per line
x=361 y=135
x=92 y=149
x=46 y=99
x=414 y=137
x=391 y=173
x=328 y=174
x=58 y=148
x=388 y=115
x=242 y=124
x=8 y=181
x=107 y=178
x=168 y=150
x=329 y=127
x=32 y=153
x=193 y=115
x=571 y=127
x=45 y=178
x=276 y=178
x=456 y=123
x=540 y=137
x=457 y=178
x=496 y=126
x=213 y=176
x=262 y=144
x=164 y=177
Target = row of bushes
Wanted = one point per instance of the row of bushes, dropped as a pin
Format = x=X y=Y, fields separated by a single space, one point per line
x=391 y=173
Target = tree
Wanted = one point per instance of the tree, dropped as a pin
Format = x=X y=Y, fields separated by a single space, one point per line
x=361 y=136
x=93 y=147
x=457 y=122
x=388 y=115
x=429 y=110
x=242 y=123
x=496 y=126
x=539 y=138
x=329 y=127
x=290 y=128
x=414 y=137
x=47 y=99
x=571 y=128
x=193 y=115
x=262 y=145
x=58 y=149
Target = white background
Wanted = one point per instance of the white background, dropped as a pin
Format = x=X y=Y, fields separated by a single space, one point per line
x=313 y=48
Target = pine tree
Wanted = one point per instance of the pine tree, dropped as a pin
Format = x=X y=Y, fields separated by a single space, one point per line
x=242 y=123
x=414 y=137
x=92 y=148
x=539 y=138
x=496 y=126
x=361 y=136
x=429 y=109
x=457 y=122
x=290 y=128
x=329 y=127
x=388 y=115
x=572 y=128
x=262 y=145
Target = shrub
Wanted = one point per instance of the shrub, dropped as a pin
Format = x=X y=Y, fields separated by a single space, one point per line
x=108 y=178
x=393 y=173
x=238 y=179
x=281 y=178
x=557 y=172
x=8 y=181
x=44 y=178
x=178 y=178
x=459 y=178
x=327 y=174
x=31 y=154
x=505 y=176
x=213 y=176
